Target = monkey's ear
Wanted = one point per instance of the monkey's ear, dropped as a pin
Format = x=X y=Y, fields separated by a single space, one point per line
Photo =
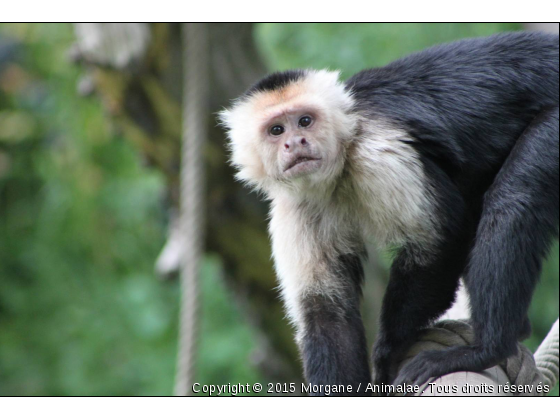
x=242 y=144
x=223 y=118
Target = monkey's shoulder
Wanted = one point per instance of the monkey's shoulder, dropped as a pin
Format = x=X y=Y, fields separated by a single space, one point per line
x=493 y=59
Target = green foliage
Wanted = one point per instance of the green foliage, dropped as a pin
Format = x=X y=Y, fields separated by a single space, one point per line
x=352 y=47
x=81 y=223
x=80 y=312
x=225 y=347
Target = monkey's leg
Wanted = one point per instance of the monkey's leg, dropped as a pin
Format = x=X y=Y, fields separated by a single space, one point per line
x=418 y=293
x=518 y=224
x=331 y=334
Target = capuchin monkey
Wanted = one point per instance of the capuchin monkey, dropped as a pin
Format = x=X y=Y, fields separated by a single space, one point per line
x=449 y=156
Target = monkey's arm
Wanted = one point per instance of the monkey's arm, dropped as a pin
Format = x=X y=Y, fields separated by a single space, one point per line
x=321 y=288
x=518 y=223
x=417 y=294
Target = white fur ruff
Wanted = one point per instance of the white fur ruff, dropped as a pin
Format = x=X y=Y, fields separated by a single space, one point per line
x=374 y=187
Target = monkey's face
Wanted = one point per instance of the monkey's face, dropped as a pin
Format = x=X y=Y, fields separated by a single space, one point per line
x=296 y=143
x=292 y=136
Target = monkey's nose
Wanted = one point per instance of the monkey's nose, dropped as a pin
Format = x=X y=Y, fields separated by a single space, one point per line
x=294 y=143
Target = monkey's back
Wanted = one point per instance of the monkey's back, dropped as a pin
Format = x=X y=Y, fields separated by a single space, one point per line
x=465 y=103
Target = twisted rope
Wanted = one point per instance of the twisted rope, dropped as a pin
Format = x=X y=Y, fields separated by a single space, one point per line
x=195 y=87
x=520 y=369
x=546 y=357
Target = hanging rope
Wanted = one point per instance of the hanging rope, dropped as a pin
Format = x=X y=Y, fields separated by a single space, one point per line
x=194 y=133
x=520 y=369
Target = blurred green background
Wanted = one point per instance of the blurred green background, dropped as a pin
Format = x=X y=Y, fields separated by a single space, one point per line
x=83 y=219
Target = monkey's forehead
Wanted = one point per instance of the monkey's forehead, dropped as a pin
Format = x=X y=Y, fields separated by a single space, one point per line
x=314 y=87
x=286 y=96
x=293 y=101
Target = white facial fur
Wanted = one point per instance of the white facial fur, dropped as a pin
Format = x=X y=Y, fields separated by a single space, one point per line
x=259 y=157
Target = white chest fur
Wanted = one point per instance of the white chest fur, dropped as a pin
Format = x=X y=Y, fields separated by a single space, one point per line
x=395 y=201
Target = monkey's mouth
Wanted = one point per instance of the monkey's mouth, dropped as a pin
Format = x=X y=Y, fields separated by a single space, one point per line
x=299 y=161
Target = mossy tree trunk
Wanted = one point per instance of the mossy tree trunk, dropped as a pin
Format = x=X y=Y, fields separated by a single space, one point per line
x=136 y=71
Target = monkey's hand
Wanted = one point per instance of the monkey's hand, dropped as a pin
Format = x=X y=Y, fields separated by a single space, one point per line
x=421 y=368
x=436 y=363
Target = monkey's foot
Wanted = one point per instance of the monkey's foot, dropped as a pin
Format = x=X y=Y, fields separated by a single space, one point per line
x=433 y=364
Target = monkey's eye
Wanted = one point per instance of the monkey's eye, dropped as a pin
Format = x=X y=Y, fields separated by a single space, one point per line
x=305 y=121
x=276 y=130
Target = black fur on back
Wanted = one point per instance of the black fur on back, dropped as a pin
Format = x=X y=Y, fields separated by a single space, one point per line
x=465 y=103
